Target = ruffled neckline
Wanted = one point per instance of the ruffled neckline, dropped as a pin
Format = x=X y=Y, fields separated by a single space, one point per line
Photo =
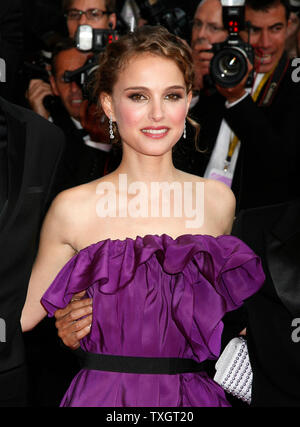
x=207 y=271
x=147 y=238
x=172 y=254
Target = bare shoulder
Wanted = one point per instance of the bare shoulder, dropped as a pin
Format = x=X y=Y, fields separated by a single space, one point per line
x=221 y=203
x=214 y=189
x=73 y=198
x=220 y=193
x=188 y=177
x=71 y=207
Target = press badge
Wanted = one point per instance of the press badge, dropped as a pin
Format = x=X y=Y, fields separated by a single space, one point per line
x=221 y=175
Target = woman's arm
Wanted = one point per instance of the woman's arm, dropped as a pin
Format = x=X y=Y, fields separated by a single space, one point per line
x=54 y=251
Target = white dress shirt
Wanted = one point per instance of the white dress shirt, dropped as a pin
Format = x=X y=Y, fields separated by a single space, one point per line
x=220 y=151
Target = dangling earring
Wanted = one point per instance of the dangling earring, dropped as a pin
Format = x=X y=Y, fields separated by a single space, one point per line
x=111 y=131
x=184 y=130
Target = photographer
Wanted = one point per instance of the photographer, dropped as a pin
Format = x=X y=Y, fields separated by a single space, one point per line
x=96 y=13
x=207 y=29
x=262 y=169
x=87 y=155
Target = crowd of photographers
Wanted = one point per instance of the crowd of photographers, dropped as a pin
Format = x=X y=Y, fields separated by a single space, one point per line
x=231 y=65
x=250 y=141
x=246 y=103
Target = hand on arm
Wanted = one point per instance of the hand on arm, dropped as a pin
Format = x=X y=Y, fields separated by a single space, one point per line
x=74 y=321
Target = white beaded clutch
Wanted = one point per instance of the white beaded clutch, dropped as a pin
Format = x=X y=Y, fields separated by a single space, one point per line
x=233 y=370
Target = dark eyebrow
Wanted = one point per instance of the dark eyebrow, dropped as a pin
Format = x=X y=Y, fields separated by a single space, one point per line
x=145 y=88
x=280 y=24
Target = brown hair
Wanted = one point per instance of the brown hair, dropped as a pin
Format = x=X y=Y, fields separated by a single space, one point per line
x=109 y=4
x=156 y=40
x=265 y=5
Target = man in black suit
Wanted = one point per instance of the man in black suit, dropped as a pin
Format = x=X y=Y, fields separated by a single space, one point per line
x=30 y=149
x=273 y=313
x=264 y=163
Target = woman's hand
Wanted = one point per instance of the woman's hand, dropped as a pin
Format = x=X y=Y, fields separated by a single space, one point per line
x=74 y=321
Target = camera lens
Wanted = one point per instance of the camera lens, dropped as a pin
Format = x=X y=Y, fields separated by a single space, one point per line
x=228 y=67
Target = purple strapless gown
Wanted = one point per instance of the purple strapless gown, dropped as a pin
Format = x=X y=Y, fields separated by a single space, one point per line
x=155 y=296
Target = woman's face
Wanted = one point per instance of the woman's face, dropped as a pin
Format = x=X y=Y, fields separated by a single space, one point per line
x=149 y=103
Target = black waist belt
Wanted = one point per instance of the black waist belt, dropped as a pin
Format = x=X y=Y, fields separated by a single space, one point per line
x=138 y=365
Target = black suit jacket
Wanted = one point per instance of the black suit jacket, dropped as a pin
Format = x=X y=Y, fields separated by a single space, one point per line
x=34 y=149
x=81 y=163
x=267 y=170
x=273 y=232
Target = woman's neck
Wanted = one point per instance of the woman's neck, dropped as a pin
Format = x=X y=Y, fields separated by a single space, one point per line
x=147 y=169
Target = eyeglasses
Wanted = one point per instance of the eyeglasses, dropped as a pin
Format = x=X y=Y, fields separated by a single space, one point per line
x=91 y=14
x=211 y=28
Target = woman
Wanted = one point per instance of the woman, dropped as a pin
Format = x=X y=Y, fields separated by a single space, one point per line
x=160 y=283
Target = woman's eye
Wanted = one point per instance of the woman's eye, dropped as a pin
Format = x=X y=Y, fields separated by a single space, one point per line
x=137 y=97
x=173 y=96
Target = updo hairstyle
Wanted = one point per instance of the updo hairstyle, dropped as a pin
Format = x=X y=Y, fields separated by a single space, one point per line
x=155 y=40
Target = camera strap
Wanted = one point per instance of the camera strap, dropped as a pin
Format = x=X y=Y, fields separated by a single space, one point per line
x=274 y=81
x=234 y=140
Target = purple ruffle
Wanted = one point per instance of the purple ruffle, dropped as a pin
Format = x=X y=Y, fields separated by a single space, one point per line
x=157 y=296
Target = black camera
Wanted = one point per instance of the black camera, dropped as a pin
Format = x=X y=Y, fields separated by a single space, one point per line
x=38 y=63
x=88 y=39
x=37 y=68
x=229 y=64
x=156 y=13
